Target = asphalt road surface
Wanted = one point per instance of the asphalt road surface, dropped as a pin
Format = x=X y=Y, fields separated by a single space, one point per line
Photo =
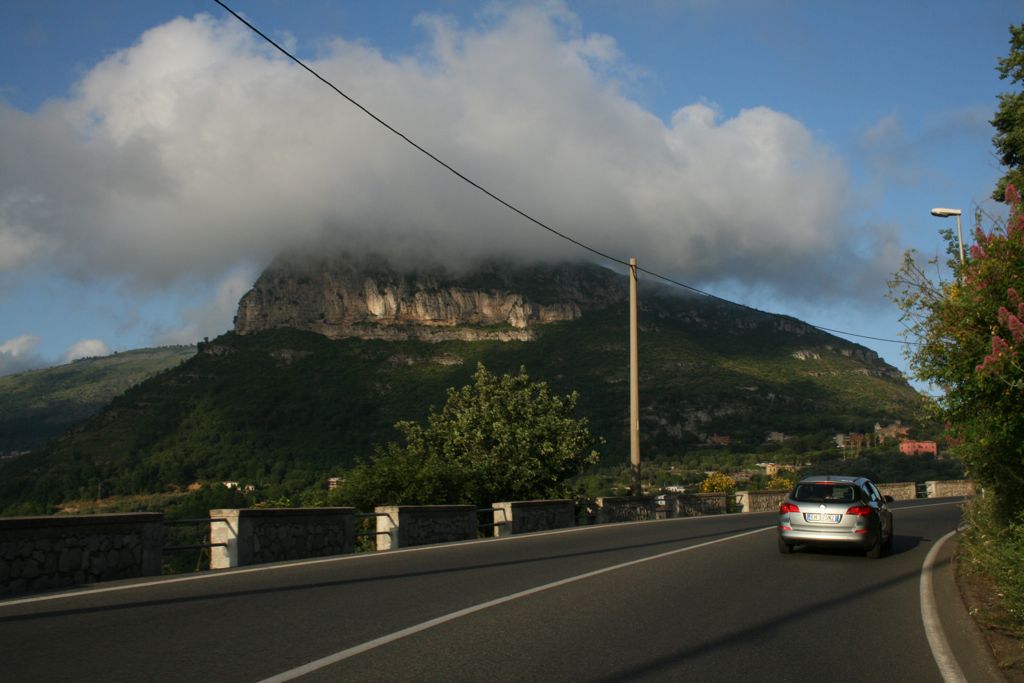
x=697 y=599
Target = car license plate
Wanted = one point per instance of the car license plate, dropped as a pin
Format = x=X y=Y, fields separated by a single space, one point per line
x=821 y=517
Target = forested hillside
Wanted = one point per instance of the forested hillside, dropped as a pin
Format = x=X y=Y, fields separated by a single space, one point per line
x=284 y=409
x=39 y=405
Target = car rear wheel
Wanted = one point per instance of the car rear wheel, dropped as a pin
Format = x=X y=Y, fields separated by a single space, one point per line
x=875 y=551
x=784 y=548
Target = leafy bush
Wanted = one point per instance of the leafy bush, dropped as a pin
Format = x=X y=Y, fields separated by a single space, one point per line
x=717 y=482
x=499 y=438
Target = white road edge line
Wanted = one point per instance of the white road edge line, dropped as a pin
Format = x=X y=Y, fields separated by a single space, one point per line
x=948 y=666
x=316 y=664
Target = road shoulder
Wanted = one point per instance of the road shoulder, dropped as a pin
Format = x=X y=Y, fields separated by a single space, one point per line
x=970 y=643
x=979 y=597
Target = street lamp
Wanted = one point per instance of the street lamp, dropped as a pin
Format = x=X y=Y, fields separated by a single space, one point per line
x=946 y=213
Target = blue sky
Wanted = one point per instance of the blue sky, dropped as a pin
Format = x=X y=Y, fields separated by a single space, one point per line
x=782 y=154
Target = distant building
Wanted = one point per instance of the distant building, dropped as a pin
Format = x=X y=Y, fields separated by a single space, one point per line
x=333 y=483
x=908 y=447
x=772 y=469
x=896 y=430
x=851 y=442
x=776 y=437
x=718 y=440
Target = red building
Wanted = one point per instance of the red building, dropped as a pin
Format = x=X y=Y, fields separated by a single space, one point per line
x=919 y=448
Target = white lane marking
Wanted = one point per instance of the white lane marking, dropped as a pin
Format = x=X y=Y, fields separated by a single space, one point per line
x=948 y=666
x=431 y=623
x=227 y=573
x=929 y=505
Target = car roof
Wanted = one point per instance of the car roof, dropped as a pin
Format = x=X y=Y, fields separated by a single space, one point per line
x=818 y=478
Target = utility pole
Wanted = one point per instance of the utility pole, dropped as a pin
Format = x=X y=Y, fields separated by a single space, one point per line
x=634 y=384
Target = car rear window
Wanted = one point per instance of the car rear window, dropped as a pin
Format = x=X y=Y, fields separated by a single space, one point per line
x=821 y=492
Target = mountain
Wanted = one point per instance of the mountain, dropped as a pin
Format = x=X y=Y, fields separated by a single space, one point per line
x=328 y=354
x=40 y=405
x=340 y=297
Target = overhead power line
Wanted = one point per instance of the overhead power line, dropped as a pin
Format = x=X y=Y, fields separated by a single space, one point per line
x=498 y=199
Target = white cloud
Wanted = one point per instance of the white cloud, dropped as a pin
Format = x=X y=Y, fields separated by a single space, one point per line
x=198 y=147
x=85 y=348
x=215 y=316
x=19 y=354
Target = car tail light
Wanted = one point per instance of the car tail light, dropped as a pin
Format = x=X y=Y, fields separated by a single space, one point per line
x=860 y=511
x=786 y=508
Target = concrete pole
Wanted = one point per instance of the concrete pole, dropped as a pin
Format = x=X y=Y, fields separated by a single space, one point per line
x=634 y=384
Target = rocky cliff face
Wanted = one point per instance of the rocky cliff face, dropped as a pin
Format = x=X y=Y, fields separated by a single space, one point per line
x=342 y=297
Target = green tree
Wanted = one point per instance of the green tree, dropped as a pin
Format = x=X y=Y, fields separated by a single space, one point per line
x=969 y=335
x=1009 y=118
x=499 y=438
x=717 y=482
x=778 y=482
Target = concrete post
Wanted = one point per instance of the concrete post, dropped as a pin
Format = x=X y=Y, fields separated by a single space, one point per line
x=227 y=531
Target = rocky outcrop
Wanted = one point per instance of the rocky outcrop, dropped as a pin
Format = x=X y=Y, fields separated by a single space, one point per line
x=343 y=297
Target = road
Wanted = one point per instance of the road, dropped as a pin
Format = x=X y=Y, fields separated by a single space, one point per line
x=688 y=599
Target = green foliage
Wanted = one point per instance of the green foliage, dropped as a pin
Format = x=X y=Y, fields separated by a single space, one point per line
x=778 y=482
x=499 y=438
x=887 y=465
x=1009 y=117
x=996 y=550
x=970 y=335
x=717 y=482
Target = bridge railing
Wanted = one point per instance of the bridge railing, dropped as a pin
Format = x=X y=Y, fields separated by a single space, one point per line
x=43 y=553
x=200 y=528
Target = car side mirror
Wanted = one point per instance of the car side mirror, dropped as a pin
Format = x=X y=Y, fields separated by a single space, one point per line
x=888 y=499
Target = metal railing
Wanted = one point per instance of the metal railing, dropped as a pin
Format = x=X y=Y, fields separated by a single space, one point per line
x=364 y=515
x=492 y=524
x=194 y=546
x=371 y=534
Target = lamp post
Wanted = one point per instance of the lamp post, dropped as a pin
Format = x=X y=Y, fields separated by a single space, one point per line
x=946 y=213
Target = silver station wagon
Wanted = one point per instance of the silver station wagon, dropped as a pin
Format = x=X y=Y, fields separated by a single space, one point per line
x=838 y=512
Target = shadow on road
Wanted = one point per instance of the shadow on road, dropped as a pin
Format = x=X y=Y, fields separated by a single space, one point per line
x=752 y=633
x=900 y=545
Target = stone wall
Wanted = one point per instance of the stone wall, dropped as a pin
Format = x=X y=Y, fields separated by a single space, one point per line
x=520 y=517
x=402 y=526
x=900 y=491
x=943 y=489
x=697 y=504
x=626 y=509
x=41 y=553
x=259 y=535
x=762 y=501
